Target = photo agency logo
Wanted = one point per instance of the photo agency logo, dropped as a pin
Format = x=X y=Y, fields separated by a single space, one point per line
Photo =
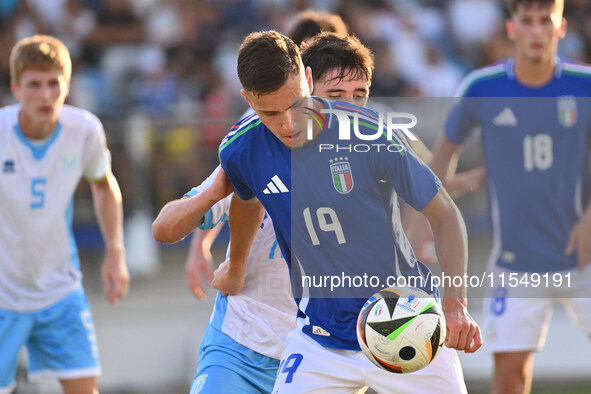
x=366 y=127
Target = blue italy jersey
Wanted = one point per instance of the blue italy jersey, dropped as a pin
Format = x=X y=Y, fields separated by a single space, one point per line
x=535 y=143
x=255 y=161
x=332 y=206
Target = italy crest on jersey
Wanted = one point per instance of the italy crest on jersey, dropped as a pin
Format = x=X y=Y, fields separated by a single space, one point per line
x=342 y=178
x=567 y=110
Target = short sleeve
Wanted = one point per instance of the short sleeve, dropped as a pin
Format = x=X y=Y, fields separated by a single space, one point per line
x=461 y=120
x=231 y=164
x=410 y=177
x=219 y=211
x=97 y=155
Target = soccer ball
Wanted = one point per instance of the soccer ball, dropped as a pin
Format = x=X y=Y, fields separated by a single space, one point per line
x=401 y=329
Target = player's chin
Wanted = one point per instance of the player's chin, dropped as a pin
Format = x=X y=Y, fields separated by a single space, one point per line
x=536 y=54
x=295 y=140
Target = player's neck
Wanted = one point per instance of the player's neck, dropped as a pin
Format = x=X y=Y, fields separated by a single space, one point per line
x=35 y=130
x=534 y=73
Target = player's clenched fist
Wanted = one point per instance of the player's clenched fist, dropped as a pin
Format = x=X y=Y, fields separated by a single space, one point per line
x=462 y=331
x=228 y=281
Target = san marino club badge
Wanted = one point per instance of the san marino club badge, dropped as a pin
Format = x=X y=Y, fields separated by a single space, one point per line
x=567 y=110
x=342 y=178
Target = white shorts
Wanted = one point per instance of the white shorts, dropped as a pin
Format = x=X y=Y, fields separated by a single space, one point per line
x=309 y=367
x=517 y=318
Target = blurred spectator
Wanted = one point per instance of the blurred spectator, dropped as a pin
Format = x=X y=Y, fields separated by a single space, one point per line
x=24 y=22
x=115 y=45
x=50 y=11
x=472 y=24
x=73 y=26
x=309 y=23
x=156 y=90
x=162 y=24
x=18 y=21
x=176 y=59
x=440 y=77
x=387 y=81
x=409 y=51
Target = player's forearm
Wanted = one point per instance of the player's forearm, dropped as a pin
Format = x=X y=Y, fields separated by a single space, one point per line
x=449 y=234
x=178 y=218
x=245 y=220
x=444 y=160
x=421 y=150
x=109 y=212
x=451 y=250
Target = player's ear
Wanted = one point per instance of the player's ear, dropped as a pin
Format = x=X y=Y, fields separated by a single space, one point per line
x=309 y=79
x=563 y=27
x=15 y=90
x=67 y=83
x=245 y=95
x=510 y=28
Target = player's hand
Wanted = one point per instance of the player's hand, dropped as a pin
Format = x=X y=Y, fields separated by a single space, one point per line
x=115 y=276
x=580 y=240
x=198 y=264
x=226 y=281
x=462 y=331
x=470 y=181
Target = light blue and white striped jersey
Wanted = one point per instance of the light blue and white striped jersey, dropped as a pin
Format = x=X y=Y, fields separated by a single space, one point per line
x=38 y=255
x=535 y=143
x=264 y=312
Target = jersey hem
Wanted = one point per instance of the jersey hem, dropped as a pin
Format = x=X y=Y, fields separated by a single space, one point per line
x=65 y=374
x=45 y=305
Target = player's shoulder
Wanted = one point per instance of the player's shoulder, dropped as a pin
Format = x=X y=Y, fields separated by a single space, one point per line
x=241 y=135
x=79 y=118
x=9 y=112
x=8 y=118
x=365 y=113
x=348 y=106
x=482 y=78
x=577 y=70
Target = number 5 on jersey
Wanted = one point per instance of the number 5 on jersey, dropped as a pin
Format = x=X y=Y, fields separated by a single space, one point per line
x=38 y=193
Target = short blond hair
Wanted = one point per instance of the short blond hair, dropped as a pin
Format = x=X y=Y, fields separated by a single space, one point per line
x=39 y=52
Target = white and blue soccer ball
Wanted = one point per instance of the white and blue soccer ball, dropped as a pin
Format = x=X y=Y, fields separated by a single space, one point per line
x=401 y=329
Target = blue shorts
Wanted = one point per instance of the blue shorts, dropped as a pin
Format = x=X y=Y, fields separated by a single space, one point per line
x=60 y=340
x=225 y=366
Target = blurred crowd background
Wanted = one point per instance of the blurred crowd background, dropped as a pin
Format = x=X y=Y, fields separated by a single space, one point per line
x=161 y=74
